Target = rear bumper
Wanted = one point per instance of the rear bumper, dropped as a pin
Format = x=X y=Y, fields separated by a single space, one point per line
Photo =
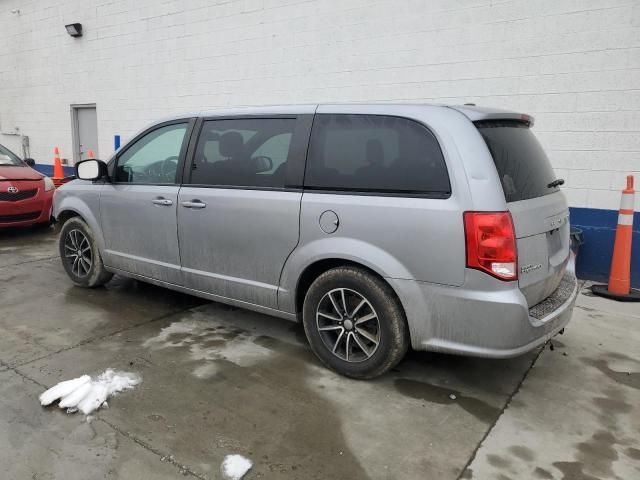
x=33 y=210
x=483 y=323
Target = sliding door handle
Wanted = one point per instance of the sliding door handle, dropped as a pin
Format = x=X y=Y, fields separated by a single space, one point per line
x=162 y=201
x=196 y=204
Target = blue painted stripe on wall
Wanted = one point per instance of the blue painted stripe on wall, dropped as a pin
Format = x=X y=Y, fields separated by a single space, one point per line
x=599 y=229
x=48 y=170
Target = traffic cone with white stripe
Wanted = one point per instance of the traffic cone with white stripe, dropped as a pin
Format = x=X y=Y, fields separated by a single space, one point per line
x=58 y=172
x=619 y=287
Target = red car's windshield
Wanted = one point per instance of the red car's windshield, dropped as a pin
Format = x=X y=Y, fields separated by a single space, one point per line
x=7 y=157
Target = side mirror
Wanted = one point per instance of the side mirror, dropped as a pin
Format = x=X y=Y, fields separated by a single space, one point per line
x=262 y=164
x=91 y=169
x=30 y=161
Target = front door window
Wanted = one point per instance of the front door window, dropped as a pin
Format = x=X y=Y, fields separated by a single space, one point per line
x=153 y=159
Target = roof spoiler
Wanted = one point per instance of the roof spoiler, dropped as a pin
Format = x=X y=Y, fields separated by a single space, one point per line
x=477 y=114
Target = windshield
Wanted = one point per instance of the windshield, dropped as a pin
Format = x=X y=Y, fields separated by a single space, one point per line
x=524 y=169
x=7 y=157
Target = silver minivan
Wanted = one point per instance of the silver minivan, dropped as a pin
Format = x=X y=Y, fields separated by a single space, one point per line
x=379 y=227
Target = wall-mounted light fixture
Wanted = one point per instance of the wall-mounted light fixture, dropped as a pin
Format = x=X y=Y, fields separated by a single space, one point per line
x=74 y=29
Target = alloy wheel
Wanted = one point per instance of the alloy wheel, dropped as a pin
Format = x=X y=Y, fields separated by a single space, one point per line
x=348 y=325
x=77 y=252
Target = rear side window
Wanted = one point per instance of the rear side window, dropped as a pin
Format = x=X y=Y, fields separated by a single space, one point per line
x=374 y=153
x=522 y=164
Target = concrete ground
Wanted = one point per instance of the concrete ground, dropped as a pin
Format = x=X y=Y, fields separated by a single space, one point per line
x=219 y=380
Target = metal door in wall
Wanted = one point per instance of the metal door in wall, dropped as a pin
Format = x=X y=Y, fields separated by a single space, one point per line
x=85 y=131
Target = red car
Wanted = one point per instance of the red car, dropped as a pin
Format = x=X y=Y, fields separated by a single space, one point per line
x=25 y=194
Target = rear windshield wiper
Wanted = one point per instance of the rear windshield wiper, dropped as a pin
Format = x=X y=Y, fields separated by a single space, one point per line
x=556 y=183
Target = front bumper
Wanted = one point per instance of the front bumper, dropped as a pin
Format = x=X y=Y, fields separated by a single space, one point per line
x=36 y=209
x=483 y=323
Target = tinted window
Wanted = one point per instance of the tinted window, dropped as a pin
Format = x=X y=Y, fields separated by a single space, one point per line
x=154 y=157
x=374 y=153
x=243 y=152
x=523 y=167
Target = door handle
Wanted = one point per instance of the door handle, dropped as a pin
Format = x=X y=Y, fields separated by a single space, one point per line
x=162 y=201
x=197 y=204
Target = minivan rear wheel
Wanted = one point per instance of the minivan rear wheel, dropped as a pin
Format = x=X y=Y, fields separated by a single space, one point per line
x=354 y=323
x=80 y=255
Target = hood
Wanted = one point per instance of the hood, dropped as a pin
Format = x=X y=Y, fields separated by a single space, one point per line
x=19 y=173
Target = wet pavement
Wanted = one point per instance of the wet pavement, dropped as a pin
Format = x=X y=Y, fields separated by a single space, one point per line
x=219 y=380
x=577 y=414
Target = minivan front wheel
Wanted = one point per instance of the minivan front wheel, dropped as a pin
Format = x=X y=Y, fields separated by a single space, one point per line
x=354 y=323
x=80 y=255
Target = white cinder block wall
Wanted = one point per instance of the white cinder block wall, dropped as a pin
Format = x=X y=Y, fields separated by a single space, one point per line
x=573 y=64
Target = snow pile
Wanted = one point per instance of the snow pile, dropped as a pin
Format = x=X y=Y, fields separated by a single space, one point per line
x=87 y=394
x=234 y=467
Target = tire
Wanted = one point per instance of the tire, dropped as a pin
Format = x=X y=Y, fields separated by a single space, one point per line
x=87 y=271
x=366 y=341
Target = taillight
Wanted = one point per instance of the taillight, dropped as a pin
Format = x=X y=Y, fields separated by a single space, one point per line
x=491 y=243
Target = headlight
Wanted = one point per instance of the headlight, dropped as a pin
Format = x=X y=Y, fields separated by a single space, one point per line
x=48 y=184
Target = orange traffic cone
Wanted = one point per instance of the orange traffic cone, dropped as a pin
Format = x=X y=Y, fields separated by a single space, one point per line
x=90 y=154
x=58 y=172
x=619 y=287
